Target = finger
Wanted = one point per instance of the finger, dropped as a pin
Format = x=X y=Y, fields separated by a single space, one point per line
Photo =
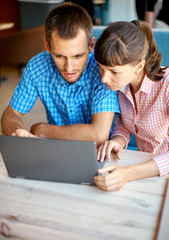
x=119 y=153
x=103 y=151
x=109 y=182
x=98 y=152
x=30 y=135
x=114 y=187
x=105 y=169
x=102 y=181
x=105 y=176
x=110 y=148
x=109 y=185
x=22 y=133
x=13 y=134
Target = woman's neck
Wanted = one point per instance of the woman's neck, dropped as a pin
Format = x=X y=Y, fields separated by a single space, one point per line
x=136 y=84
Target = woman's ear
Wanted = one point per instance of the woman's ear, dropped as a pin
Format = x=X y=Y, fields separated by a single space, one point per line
x=140 y=66
x=91 y=45
x=46 y=44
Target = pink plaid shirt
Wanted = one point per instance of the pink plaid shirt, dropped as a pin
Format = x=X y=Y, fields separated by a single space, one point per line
x=150 y=124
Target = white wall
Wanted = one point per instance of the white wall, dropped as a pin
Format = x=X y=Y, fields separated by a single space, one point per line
x=119 y=10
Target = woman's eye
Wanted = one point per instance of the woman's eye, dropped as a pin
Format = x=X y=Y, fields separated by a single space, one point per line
x=114 y=72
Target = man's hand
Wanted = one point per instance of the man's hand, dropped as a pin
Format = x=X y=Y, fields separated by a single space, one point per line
x=22 y=133
x=39 y=129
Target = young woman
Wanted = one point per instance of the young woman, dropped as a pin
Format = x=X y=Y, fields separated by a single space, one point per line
x=131 y=64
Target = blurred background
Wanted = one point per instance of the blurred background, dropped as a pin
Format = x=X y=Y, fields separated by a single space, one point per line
x=22 y=33
x=21 y=22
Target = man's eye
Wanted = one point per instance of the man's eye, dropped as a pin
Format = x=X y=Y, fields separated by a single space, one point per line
x=78 y=56
x=58 y=56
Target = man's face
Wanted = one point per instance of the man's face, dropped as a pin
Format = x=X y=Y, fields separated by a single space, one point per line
x=70 y=56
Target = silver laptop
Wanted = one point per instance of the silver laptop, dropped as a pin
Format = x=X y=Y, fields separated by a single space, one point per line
x=50 y=160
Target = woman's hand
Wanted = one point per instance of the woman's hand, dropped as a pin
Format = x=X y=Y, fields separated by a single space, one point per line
x=113 y=178
x=115 y=145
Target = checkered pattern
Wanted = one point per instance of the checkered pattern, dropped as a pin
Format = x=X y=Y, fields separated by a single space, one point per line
x=65 y=103
x=150 y=124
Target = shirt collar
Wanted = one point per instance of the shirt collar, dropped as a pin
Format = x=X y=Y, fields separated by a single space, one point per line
x=146 y=86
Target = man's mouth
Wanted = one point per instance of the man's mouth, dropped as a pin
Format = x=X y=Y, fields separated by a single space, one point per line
x=70 y=75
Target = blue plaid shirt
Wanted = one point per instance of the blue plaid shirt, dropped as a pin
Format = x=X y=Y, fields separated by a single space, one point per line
x=65 y=103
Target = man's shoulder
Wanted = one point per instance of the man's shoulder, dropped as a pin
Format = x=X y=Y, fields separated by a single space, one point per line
x=40 y=57
x=39 y=68
x=41 y=62
x=91 y=59
x=92 y=66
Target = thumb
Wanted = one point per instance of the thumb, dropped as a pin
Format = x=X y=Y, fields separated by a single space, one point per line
x=119 y=153
x=109 y=168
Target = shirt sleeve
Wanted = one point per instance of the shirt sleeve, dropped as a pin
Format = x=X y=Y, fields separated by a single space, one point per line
x=103 y=99
x=119 y=129
x=162 y=162
x=25 y=94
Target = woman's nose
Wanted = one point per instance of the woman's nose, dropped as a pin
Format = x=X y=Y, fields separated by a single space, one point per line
x=104 y=78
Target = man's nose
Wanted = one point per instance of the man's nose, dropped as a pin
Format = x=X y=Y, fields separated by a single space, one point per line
x=69 y=65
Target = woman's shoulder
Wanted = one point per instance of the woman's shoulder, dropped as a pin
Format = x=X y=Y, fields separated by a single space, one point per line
x=166 y=75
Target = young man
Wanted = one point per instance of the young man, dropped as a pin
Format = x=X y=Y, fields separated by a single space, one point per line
x=66 y=77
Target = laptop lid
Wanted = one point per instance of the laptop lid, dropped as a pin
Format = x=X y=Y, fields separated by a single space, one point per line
x=49 y=160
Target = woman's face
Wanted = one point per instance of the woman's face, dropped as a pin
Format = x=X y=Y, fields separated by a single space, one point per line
x=117 y=77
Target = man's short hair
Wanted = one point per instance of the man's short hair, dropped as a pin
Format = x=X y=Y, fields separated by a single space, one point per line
x=67 y=19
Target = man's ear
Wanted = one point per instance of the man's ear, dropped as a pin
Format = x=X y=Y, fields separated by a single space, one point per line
x=91 y=45
x=46 y=44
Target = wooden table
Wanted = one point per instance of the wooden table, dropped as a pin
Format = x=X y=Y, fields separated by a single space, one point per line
x=49 y=211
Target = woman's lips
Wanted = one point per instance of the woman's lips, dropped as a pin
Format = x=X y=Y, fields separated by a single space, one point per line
x=109 y=86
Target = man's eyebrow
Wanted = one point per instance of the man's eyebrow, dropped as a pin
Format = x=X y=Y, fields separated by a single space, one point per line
x=56 y=53
x=78 y=54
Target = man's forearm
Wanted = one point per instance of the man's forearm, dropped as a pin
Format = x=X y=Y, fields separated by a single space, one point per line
x=10 y=122
x=97 y=131
x=81 y=132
